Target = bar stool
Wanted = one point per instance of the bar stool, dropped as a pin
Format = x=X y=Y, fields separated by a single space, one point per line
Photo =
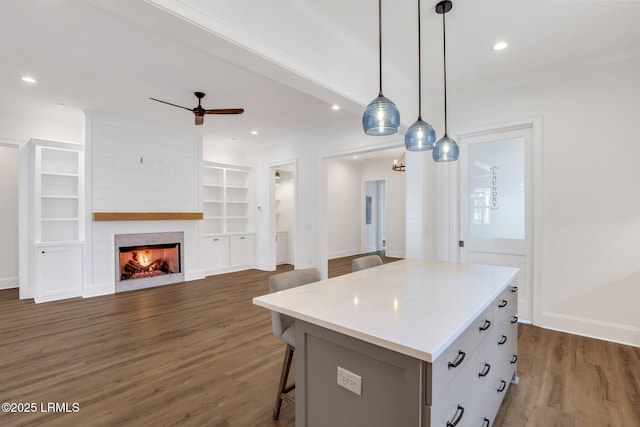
x=284 y=328
x=365 y=262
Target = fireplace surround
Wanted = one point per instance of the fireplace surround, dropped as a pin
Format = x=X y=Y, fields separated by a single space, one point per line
x=145 y=260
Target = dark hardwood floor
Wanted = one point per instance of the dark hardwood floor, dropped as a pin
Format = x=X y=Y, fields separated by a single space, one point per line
x=201 y=354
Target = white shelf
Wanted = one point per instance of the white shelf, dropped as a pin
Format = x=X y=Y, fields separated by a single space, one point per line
x=225 y=195
x=58 y=191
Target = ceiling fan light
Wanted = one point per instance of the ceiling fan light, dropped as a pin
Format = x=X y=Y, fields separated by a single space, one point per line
x=445 y=150
x=381 y=117
x=420 y=136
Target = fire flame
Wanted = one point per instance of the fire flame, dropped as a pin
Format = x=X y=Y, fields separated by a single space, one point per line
x=144 y=258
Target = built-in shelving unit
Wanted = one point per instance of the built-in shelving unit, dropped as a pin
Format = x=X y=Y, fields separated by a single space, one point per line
x=57 y=197
x=229 y=243
x=225 y=198
x=58 y=192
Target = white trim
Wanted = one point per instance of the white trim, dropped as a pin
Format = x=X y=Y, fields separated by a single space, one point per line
x=271 y=264
x=607 y=331
x=99 y=290
x=535 y=124
x=14 y=143
x=225 y=165
x=9 y=283
x=348 y=252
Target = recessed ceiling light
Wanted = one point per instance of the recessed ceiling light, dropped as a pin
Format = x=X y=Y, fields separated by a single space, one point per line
x=254 y=132
x=60 y=105
x=500 y=46
x=335 y=107
x=28 y=79
x=355 y=157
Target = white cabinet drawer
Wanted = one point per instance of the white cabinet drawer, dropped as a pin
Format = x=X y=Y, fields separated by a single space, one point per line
x=467 y=399
x=506 y=306
x=453 y=360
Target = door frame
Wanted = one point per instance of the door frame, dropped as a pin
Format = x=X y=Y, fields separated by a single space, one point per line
x=537 y=174
x=25 y=290
x=272 y=167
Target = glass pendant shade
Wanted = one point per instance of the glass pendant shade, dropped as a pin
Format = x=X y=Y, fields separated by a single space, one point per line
x=381 y=117
x=445 y=150
x=420 y=136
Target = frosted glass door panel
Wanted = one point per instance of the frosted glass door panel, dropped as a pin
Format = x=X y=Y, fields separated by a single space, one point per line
x=496 y=189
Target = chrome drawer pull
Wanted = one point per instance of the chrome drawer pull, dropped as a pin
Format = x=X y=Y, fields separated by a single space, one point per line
x=486 y=325
x=503 y=385
x=458 y=360
x=485 y=371
x=514 y=359
x=456 y=417
x=486 y=423
x=503 y=303
x=514 y=319
x=502 y=340
x=514 y=289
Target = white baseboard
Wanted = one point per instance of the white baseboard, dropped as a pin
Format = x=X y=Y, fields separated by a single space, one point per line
x=369 y=249
x=56 y=297
x=264 y=267
x=392 y=254
x=340 y=254
x=193 y=275
x=9 y=283
x=96 y=291
x=614 y=332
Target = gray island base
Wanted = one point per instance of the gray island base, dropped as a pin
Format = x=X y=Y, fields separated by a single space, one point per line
x=435 y=346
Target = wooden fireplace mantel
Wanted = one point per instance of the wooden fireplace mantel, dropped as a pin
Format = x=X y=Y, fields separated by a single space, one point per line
x=146 y=216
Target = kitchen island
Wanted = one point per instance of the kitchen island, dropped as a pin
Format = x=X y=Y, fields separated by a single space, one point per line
x=409 y=343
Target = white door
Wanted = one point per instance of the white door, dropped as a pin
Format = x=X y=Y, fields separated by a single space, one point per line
x=496 y=205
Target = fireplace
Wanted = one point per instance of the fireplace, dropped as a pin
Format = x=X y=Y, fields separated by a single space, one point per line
x=148 y=259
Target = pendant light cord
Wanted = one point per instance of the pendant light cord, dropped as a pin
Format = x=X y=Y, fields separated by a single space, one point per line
x=444 y=56
x=419 y=68
x=380 y=43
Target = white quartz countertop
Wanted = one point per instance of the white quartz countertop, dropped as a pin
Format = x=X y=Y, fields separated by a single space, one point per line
x=414 y=307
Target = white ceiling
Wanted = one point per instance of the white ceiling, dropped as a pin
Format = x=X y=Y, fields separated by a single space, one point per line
x=286 y=62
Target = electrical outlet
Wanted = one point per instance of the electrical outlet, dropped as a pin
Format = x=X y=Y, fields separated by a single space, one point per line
x=350 y=381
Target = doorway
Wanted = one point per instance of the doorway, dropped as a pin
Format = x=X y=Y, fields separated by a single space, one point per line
x=284 y=211
x=496 y=204
x=9 y=179
x=374 y=220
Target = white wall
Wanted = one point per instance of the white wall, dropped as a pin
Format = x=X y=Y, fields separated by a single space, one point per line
x=590 y=268
x=9 y=161
x=18 y=127
x=344 y=207
x=60 y=126
x=136 y=168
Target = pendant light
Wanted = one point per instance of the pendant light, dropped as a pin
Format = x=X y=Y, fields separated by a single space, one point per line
x=446 y=149
x=381 y=116
x=420 y=136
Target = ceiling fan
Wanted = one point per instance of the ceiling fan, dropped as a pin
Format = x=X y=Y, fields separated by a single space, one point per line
x=199 y=111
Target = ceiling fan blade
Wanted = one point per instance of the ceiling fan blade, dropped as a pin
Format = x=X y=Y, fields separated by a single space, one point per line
x=199 y=119
x=175 y=105
x=225 y=111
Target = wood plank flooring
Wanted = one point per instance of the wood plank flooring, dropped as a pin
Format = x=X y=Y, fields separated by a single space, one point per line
x=200 y=354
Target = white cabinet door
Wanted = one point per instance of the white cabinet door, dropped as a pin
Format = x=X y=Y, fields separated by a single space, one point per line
x=241 y=251
x=58 y=272
x=216 y=254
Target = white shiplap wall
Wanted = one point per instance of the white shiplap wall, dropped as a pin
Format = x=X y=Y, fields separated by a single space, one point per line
x=135 y=168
